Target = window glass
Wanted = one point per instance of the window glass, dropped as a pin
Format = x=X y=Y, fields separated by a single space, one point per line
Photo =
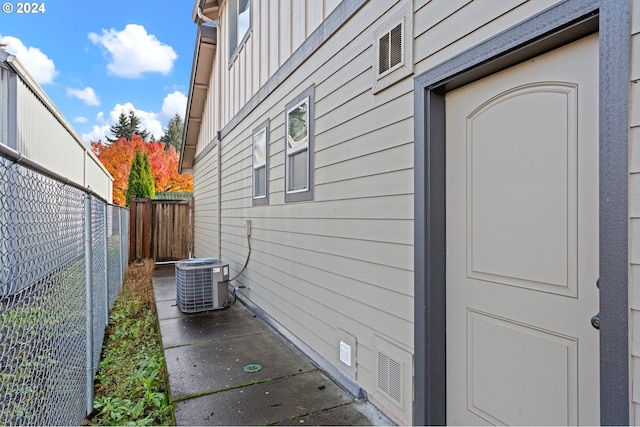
x=298 y=130
x=244 y=19
x=260 y=162
x=260 y=184
x=298 y=171
x=298 y=148
x=260 y=148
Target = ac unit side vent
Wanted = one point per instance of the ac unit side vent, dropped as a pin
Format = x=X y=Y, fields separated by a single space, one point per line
x=390 y=377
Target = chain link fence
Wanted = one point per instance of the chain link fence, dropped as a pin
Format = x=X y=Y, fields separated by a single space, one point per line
x=63 y=253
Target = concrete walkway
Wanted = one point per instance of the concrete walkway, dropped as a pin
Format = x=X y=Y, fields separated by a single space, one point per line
x=207 y=353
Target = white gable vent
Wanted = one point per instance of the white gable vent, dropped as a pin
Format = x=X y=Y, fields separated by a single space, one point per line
x=390 y=50
x=393 y=46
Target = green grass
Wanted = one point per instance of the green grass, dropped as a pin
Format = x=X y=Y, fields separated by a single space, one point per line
x=131 y=382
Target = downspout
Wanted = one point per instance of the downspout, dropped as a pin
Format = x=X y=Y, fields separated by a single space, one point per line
x=219 y=166
x=218 y=125
x=204 y=18
x=216 y=24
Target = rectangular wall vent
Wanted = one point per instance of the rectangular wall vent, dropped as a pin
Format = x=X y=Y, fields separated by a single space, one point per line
x=390 y=377
x=390 y=49
x=393 y=46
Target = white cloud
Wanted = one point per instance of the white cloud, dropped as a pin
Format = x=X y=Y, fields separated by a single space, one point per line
x=148 y=119
x=80 y=119
x=39 y=65
x=175 y=102
x=135 y=52
x=96 y=134
x=88 y=95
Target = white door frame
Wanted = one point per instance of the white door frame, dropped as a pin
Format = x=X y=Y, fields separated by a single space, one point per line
x=556 y=26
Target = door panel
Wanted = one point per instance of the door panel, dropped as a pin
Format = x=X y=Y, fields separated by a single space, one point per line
x=522 y=243
x=533 y=365
x=522 y=188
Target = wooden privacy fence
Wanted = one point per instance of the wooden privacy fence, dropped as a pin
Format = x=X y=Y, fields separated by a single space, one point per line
x=160 y=229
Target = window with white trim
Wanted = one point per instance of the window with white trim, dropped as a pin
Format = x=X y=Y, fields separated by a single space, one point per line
x=393 y=48
x=239 y=16
x=299 y=148
x=260 y=142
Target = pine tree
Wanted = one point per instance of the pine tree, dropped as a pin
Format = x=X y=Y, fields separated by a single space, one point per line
x=173 y=133
x=120 y=129
x=141 y=182
x=134 y=126
x=126 y=127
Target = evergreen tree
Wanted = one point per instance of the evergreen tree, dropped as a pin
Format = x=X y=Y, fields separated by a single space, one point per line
x=134 y=125
x=120 y=129
x=173 y=133
x=126 y=127
x=141 y=182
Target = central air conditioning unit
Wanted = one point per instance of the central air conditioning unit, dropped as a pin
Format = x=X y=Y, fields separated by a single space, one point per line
x=202 y=284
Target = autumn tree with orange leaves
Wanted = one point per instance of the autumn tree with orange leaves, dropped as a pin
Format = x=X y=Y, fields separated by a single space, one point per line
x=118 y=156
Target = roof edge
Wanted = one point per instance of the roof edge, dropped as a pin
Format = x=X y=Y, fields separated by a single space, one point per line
x=204 y=32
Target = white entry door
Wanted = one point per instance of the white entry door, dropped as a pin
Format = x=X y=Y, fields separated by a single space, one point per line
x=522 y=243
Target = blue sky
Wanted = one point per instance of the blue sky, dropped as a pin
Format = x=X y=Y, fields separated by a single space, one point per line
x=95 y=59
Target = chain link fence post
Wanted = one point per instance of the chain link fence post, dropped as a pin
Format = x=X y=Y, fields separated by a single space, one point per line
x=120 y=251
x=106 y=264
x=88 y=252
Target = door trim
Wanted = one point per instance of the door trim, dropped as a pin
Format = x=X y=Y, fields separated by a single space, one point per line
x=556 y=26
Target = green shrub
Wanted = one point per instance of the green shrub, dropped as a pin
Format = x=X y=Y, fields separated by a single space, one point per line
x=140 y=182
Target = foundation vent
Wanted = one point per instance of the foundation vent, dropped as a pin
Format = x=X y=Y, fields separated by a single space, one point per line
x=393 y=376
x=390 y=377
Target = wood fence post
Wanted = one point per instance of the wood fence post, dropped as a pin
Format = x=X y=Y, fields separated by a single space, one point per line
x=132 y=229
x=146 y=238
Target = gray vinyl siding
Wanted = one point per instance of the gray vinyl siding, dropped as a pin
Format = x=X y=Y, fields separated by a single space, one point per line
x=345 y=259
x=278 y=28
x=448 y=28
x=205 y=216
